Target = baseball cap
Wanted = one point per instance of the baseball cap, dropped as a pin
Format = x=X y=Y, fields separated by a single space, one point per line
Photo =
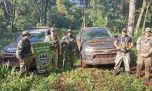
x=147 y=30
x=25 y=33
x=124 y=30
x=69 y=31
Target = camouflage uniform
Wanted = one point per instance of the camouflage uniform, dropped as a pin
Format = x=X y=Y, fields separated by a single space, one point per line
x=123 y=53
x=24 y=54
x=55 y=45
x=144 y=46
x=68 y=48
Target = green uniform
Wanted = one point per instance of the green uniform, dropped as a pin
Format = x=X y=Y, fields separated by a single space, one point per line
x=144 y=46
x=24 y=54
x=68 y=49
x=55 y=44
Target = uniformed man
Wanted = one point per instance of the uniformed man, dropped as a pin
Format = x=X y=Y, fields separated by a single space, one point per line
x=24 y=52
x=144 y=48
x=123 y=43
x=53 y=39
x=68 y=48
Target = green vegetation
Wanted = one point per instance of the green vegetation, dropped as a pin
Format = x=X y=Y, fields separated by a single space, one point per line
x=92 y=79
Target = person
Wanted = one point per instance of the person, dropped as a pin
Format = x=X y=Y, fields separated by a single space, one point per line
x=144 y=49
x=53 y=39
x=24 y=52
x=123 y=43
x=68 y=48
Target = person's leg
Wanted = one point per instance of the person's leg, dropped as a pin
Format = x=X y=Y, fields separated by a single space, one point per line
x=71 y=59
x=139 y=65
x=126 y=60
x=118 y=62
x=22 y=66
x=147 y=62
x=56 y=58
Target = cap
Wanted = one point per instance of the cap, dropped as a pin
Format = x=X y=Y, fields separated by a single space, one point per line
x=25 y=33
x=52 y=29
x=69 y=31
x=124 y=30
x=147 y=30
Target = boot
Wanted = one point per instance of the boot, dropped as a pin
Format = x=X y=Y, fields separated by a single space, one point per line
x=116 y=72
x=146 y=81
x=127 y=73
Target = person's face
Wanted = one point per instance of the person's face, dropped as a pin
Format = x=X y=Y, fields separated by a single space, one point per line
x=124 y=33
x=147 y=34
x=26 y=37
x=69 y=33
x=52 y=32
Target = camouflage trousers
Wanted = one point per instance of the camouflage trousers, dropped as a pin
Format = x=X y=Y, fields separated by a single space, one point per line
x=55 y=57
x=25 y=64
x=122 y=57
x=143 y=61
x=69 y=58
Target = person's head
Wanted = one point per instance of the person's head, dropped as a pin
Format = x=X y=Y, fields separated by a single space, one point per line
x=147 y=32
x=52 y=30
x=25 y=34
x=69 y=32
x=48 y=32
x=124 y=31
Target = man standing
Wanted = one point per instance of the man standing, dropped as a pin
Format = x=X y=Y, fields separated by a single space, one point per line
x=144 y=48
x=53 y=39
x=24 y=52
x=68 y=47
x=123 y=43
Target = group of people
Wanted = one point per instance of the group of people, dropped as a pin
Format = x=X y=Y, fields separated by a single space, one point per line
x=144 y=50
x=64 y=46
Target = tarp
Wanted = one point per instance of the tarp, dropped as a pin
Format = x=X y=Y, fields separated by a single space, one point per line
x=43 y=56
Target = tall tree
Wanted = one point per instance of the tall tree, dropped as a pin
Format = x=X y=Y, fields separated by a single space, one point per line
x=141 y=15
x=131 y=19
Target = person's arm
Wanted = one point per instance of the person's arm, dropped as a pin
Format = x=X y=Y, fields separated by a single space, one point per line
x=116 y=43
x=149 y=52
x=19 y=49
x=130 y=44
x=60 y=47
x=47 y=39
x=138 y=46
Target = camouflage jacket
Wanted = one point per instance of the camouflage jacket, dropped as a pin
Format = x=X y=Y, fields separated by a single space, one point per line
x=68 y=43
x=23 y=48
x=54 y=42
x=144 y=45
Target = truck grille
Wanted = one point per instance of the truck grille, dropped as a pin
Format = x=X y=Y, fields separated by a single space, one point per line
x=105 y=55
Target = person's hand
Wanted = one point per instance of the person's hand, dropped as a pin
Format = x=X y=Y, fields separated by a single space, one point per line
x=118 y=47
x=144 y=55
x=21 y=61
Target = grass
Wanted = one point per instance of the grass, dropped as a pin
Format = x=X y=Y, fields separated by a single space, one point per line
x=78 y=79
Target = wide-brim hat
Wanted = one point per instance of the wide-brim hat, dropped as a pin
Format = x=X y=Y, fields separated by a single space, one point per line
x=25 y=33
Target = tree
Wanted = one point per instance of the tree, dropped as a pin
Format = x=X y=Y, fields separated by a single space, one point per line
x=131 y=19
x=140 y=16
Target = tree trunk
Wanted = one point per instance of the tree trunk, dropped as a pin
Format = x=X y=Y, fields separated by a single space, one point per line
x=45 y=12
x=140 y=16
x=13 y=14
x=131 y=19
x=147 y=8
